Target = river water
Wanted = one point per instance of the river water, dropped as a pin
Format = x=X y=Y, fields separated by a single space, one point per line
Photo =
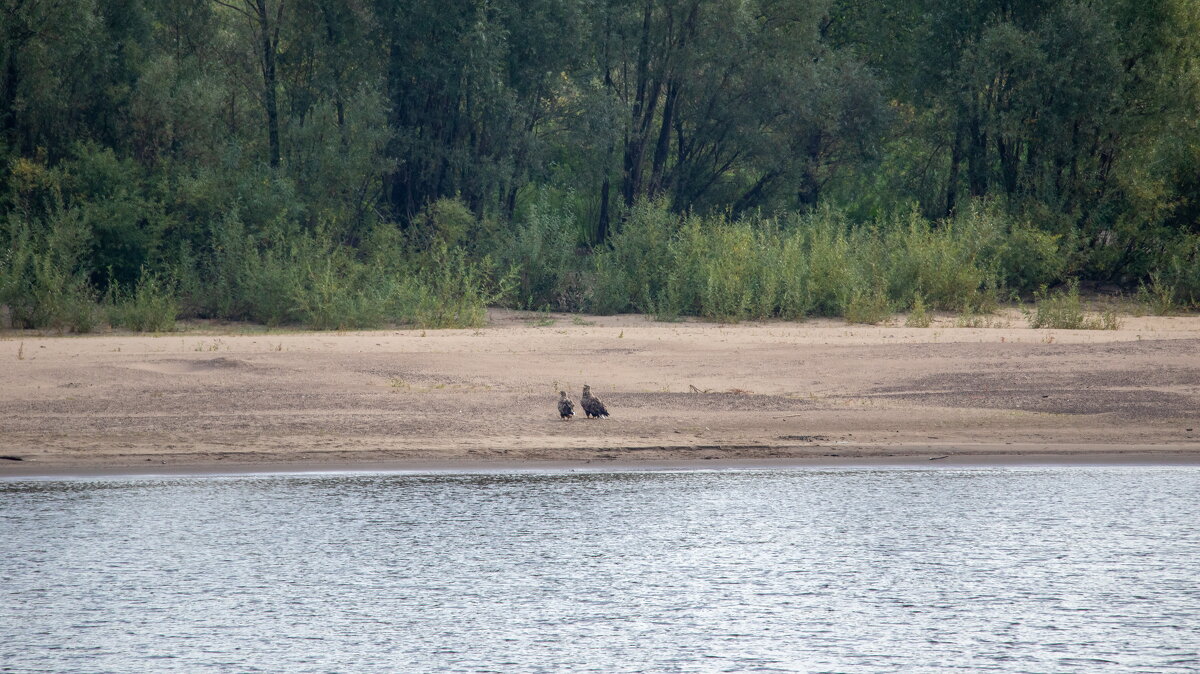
x=1058 y=569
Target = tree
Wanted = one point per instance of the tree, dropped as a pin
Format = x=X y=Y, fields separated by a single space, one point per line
x=264 y=18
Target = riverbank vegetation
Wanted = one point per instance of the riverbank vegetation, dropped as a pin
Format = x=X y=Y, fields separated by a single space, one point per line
x=342 y=164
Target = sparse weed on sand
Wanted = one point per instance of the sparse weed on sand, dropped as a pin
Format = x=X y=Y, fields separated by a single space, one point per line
x=1157 y=297
x=918 y=316
x=1063 y=310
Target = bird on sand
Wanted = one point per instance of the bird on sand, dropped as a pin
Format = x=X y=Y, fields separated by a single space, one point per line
x=566 y=408
x=592 y=406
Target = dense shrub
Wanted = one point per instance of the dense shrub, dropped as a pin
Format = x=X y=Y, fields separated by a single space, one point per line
x=448 y=266
x=815 y=264
x=449 y=290
x=918 y=316
x=1063 y=310
x=289 y=276
x=42 y=278
x=149 y=307
x=1175 y=284
x=631 y=272
x=542 y=247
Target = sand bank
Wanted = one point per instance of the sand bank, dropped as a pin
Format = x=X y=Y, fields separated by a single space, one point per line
x=681 y=394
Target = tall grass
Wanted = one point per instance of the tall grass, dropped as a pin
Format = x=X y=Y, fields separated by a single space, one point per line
x=151 y=305
x=1175 y=282
x=42 y=279
x=816 y=264
x=1062 y=309
x=451 y=291
x=285 y=276
x=445 y=270
x=541 y=246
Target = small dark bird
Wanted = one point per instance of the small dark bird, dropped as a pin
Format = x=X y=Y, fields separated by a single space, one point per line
x=592 y=406
x=566 y=408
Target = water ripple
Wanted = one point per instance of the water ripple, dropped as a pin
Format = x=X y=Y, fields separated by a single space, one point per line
x=1066 y=570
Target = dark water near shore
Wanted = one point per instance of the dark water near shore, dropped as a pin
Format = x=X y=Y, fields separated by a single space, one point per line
x=1013 y=570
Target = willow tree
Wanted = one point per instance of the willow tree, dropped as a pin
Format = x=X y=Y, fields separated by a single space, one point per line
x=264 y=18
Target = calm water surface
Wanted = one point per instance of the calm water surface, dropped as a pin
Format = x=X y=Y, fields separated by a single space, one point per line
x=850 y=570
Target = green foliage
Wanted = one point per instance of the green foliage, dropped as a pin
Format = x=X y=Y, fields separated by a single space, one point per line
x=1063 y=310
x=453 y=291
x=817 y=264
x=150 y=307
x=42 y=280
x=1175 y=281
x=942 y=265
x=918 y=315
x=1158 y=297
x=126 y=220
x=448 y=223
x=541 y=245
x=332 y=292
x=1107 y=320
x=286 y=276
x=732 y=159
x=1060 y=310
x=631 y=272
x=868 y=305
x=832 y=272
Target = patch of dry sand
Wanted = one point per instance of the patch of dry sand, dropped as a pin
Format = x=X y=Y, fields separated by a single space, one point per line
x=677 y=391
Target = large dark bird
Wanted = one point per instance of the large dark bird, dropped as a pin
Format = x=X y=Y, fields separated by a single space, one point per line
x=566 y=408
x=592 y=406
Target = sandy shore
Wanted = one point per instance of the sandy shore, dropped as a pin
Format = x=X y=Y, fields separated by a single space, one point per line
x=811 y=393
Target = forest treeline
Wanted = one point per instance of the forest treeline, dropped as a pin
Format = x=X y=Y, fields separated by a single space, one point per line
x=352 y=163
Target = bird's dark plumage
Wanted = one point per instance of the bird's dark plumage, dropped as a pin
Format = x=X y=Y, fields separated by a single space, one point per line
x=592 y=406
x=566 y=408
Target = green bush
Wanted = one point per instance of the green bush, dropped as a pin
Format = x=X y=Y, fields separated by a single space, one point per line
x=1029 y=258
x=150 y=307
x=253 y=278
x=334 y=293
x=868 y=305
x=542 y=246
x=831 y=278
x=288 y=276
x=449 y=223
x=1159 y=296
x=1060 y=310
x=792 y=266
x=939 y=264
x=452 y=291
x=125 y=217
x=1177 y=275
x=811 y=264
x=631 y=272
x=42 y=278
x=733 y=275
x=1063 y=310
x=918 y=316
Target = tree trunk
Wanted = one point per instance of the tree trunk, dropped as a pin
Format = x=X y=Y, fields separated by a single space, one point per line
x=1009 y=153
x=674 y=89
x=398 y=181
x=269 y=39
x=977 y=180
x=603 y=226
x=664 y=141
x=332 y=39
x=635 y=142
x=809 y=192
x=955 y=162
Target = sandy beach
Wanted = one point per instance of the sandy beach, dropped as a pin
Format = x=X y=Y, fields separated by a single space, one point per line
x=230 y=398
